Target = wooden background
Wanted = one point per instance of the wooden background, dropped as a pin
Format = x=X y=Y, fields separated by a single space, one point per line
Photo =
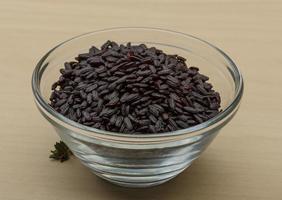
x=245 y=160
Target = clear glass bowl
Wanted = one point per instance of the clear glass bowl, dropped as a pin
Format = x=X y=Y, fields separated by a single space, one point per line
x=140 y=160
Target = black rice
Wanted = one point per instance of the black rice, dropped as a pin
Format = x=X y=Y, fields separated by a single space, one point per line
x=133 y=89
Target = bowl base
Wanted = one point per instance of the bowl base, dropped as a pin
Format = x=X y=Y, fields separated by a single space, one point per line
x=138 y=184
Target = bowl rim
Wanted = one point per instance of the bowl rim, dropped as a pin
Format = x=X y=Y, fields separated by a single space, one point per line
x=239 y=87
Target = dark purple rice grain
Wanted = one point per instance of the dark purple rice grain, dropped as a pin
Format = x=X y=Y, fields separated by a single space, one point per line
x=201 y=88
x=133 y=89
x=60 y=102
x=170 y=128
x=106 y=112
x=171 y=103
x=154 y=110
x=91 y=75
x=111 y=59
x=119 y=121
x=152 y=129
x=165 y=116
x=123 y=109
x=97 y=125
x=113 y=119
x=175 y=97
x=164 y=72
x=89 y=124
x=159 y=125
x=198 y=119
x=153 y=69
x=129 y=97
x=142 y=129
x=143 y=111
x=190 y=109
x=147 y=80
x=89 y=98
x=120 y=74
x=127 y=109
x=158 y=95
x=153 y=118
x=54 y=86
x=102 y=75
x=172 y=123
x=83 y=104
x=214 y=106
x=104 y=92
x=100 y=104
x=178 y=110
x=83 y=95
x=163 y=87
x=132 y=118
x=86 y=115
x=198 y=106
x=78 y=113
x=113 y=102
x=95 y=95
x=91 y=88
x=68 y=88
x=207 y=86
x=182 y=124
x=143 y=73
x=81 y=85
x=122 y=128
x=173 y=80
x=148 y=92
x=197 y=95
x=97 y=119
x=128 y=123
x=144 y=122
x=143 y=85
x=64 y=109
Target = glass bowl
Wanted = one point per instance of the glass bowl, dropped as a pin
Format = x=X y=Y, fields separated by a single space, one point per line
x=140 y=160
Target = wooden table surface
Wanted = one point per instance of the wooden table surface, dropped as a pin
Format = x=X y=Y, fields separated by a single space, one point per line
x=245 y=160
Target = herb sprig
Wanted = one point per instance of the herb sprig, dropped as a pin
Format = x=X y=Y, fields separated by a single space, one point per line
x=61 y=152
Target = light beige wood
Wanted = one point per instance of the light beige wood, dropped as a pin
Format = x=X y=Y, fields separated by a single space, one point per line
x=245 y=160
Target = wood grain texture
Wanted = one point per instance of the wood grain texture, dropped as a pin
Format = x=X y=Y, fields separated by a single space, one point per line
x=245 y=160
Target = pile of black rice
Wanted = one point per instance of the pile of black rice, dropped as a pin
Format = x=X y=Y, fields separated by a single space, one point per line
x=133 y=89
